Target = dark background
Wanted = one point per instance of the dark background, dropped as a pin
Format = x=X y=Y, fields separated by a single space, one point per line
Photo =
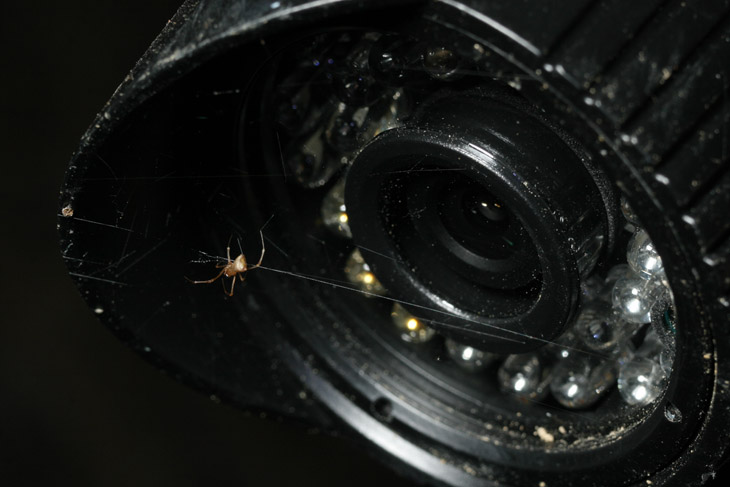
x=76 y=407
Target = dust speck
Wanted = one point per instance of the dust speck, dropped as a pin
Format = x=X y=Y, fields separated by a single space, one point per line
x=544 y=435
x=67 y=211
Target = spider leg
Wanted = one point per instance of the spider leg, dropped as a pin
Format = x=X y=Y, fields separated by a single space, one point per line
x=240 y=248
x=209 y=280
x=263 y=251
x=242 y=276
x=223 y=282
x=233 y=284
x=228 y=249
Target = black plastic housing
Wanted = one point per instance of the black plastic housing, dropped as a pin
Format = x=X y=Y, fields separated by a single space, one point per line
x=158 y=177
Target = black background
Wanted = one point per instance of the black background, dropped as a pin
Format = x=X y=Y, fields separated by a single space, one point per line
x=76 y=407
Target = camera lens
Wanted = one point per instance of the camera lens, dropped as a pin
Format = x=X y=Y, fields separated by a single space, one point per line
x=480 y=202
x=423 y=194
x=476 y=220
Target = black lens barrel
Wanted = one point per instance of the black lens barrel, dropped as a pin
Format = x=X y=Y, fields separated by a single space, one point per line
x=478 y=210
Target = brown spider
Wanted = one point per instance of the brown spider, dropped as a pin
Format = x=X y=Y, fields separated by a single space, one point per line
x=234 y=268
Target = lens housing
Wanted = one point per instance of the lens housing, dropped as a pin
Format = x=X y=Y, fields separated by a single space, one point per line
x=422 y=197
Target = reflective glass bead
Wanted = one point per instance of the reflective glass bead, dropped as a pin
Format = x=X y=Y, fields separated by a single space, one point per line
x=334 y=212
x=634 y=297
x=642 y=256
x=522 y=375
x=641 y=381
x=581 y=380
x=412 y=330
x=468 y=358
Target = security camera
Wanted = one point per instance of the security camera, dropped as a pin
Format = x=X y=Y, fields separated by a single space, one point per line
x=488 y=239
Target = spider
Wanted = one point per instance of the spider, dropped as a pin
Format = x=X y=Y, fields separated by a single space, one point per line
x=234 y=268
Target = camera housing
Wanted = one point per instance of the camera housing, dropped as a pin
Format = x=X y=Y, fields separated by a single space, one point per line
x=485 y=151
